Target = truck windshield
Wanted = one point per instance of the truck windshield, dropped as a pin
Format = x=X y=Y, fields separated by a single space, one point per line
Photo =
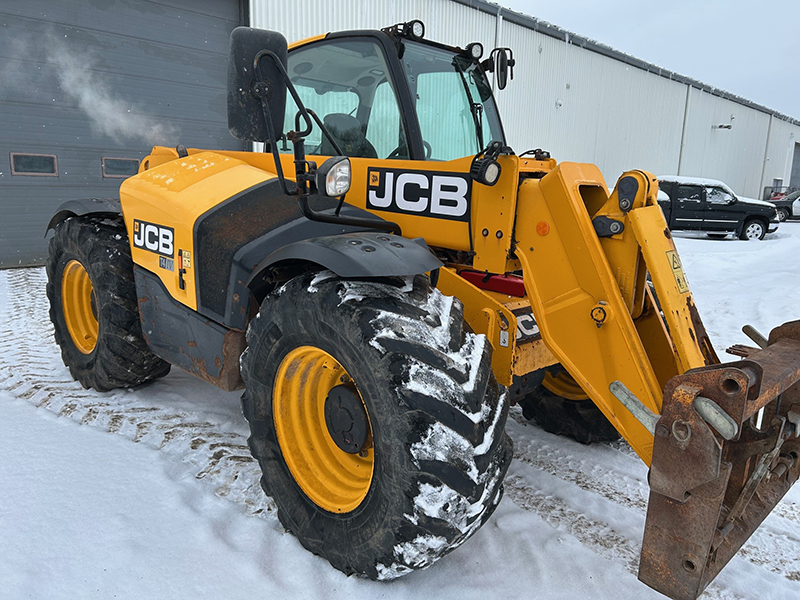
x=454 y=104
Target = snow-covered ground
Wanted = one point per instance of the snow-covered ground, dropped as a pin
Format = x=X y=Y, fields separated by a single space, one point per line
x=152 y=493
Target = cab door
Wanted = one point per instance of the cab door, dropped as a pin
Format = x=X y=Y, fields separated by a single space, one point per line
x=689 y=207
x=718 y=212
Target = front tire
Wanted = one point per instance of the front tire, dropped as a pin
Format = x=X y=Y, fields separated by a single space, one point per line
x=94 y=308
x=431 y=471
x=754 y=229
x=562 y=408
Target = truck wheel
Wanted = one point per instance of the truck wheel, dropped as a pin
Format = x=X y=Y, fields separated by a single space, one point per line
x=783 y=214
x=376 y=420
x=560 y=407
x=93 y=306
x=754 y=229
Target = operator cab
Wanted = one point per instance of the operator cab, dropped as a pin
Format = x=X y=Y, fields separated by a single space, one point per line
x=392 y=95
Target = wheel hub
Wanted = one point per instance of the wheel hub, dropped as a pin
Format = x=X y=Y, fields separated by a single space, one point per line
x=323 y=429
x=346 y=419
x=79 y=306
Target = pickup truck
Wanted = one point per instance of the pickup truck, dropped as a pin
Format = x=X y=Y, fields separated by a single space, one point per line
x=709 y=205
x=788 y=205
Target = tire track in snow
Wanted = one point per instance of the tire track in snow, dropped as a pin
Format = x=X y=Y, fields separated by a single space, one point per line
x=31 y=369
x=762 y=549
x=593 y=534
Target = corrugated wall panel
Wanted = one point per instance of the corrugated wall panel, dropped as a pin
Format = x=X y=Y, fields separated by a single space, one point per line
x=590 y=108
x=446 y=21
x=733 y=155
x=83 y=79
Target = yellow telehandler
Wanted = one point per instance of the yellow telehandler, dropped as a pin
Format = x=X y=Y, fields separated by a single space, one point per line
x=387 y=277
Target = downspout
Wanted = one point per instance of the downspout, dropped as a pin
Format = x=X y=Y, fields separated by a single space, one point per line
x=766 y=158
x=683 y=131
x=498 y=29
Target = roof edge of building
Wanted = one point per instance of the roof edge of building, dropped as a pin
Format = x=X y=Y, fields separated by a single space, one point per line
x=586 y=43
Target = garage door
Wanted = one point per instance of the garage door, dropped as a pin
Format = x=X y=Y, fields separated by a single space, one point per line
x=87 y=87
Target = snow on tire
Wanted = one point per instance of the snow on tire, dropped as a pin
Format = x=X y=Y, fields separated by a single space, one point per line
x=118 y=356
x=437 y=418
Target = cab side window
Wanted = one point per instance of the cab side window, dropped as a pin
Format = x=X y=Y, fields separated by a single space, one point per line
x=689 y=193
x=384 y=128
x=347 y=84
x=719 y=196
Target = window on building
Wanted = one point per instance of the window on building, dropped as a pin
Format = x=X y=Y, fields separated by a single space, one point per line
x=119 y=168
x=42 y=165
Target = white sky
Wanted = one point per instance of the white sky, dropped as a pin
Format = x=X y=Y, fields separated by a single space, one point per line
x=748 y=48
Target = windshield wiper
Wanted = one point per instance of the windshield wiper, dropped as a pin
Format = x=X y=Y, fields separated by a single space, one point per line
x=476 y=108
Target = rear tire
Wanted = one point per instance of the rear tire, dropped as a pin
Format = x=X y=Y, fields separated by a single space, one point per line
x=783 y=214
x=436 y=417
x=753 y=229
x=576 y=417
x=102 y=346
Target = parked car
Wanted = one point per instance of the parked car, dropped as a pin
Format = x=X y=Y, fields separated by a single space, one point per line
x=788 y=205
x=709 y=205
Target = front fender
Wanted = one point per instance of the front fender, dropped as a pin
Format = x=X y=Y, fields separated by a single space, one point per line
x=361 y=254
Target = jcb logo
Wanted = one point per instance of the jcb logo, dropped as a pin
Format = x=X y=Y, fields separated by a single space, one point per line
x=155 y=238
x=527 y=329
x=424 y=193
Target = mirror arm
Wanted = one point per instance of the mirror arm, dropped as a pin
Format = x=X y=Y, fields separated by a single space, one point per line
x=261 y=90
x=336 y=219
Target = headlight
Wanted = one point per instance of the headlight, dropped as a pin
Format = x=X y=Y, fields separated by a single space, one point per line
x=475 y=50
x=333 y=177
x=485 y=171
x=416 y=28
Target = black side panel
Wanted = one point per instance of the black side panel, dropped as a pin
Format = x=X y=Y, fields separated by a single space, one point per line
x=232 y=238
x=185 y=338
x=221 y=231
x=85 y=206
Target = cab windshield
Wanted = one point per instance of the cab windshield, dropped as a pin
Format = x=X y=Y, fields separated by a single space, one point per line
x=347 y=83
x=454 y=105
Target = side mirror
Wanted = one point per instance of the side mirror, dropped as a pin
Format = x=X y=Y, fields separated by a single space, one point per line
x=501 y=62
x=253 y=70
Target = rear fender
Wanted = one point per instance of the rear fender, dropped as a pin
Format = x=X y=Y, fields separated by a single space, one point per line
x=109 y=207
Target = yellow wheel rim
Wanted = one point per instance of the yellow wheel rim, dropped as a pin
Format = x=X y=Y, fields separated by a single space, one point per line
x=335 y=480
x=76 y=302
x=564 y=385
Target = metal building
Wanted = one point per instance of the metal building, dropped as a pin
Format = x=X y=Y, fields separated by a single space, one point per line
x=581 y=100
x=87 y=88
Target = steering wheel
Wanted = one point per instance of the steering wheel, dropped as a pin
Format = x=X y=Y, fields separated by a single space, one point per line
x=428 y=150
x=402 y=150
x=397 y=152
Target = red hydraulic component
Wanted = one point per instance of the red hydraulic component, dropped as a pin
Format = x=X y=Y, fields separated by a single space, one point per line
x=505 y=284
